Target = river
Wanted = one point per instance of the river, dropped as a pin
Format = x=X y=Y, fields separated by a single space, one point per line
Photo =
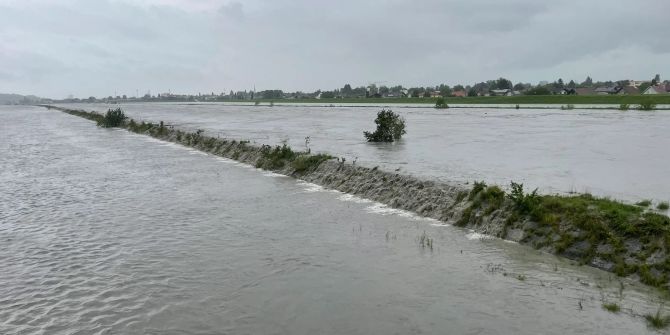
x=107 y=232
x=604 y=152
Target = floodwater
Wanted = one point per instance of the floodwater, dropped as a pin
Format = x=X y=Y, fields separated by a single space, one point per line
x=623 y=155
x=107 y=232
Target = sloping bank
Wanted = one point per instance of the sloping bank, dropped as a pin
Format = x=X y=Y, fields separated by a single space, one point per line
x=625 y=239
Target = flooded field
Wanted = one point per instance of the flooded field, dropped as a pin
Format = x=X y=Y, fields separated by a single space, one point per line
x=108 y=232
x=604 y=152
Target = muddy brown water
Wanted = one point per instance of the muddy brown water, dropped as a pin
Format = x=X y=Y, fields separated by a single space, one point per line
x=107 y=232
x=622 y=155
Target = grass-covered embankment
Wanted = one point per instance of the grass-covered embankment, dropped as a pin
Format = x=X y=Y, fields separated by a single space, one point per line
x=621 y=238
x=628 y=240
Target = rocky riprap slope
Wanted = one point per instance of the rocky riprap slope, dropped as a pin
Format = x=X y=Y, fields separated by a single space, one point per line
x=625 y=239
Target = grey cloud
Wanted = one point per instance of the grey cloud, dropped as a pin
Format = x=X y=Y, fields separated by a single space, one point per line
x=305 y=45
x=233 y=10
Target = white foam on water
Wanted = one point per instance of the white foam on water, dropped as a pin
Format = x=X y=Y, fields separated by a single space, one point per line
x=272 y=174
x=352 y=198
x=473 y=235
x=382 y=209
x=246 y=166
x=225 y=160
x=171 y=145
x=310 y=188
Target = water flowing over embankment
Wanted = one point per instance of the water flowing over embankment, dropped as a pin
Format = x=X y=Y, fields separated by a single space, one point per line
x=625 y=239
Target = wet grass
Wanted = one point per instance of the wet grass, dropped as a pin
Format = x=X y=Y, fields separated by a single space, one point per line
x=643 y=203
x=664 y=206
x=425 y=241
x=306 y=163
x=575 y=226
x=647 y=105
x=276 y=158
x=611 y=307
x=658 y=320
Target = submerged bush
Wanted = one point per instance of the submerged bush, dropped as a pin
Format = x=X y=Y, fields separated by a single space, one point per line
x=658 y=320
x=647 y=106
x=611 y=307
x=624 y=107
x=277 y=157
x=441 y=103
x=390 y=127
x=523 y=202
x=304 y=163
x=113 y=118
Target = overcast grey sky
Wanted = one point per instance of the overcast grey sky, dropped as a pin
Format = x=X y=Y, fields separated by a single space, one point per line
x=99 y=47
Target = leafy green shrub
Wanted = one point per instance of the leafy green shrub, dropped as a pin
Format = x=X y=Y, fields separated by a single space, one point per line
x=305 y=163
x=612 y=307
x=390 y=127
x=523 y=202
x=647 y=106
x=113 y=118
x=277 y=157
x=494 y=196
x=195 y=138
x=441 y=103
x=658 y=320
x=478 y=187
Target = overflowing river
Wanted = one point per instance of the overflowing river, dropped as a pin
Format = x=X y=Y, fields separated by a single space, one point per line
x=107 y=232
x=623 y=155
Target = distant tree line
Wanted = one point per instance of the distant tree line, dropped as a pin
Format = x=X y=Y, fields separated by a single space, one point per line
x=489 y=87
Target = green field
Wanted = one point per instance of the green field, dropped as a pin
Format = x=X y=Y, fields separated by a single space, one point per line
x=520 y=99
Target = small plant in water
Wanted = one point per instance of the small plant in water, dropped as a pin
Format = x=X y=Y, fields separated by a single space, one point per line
x=307 y=141
x=425 y=241
x=611 y=307
x=643 y=203
x=658 y=320
x=664 y=206
x=113 y=118
x=624 y=107
x=523 y=202
x=521 y=277
x=390 y=127
x=441 y=103
x=647 y=106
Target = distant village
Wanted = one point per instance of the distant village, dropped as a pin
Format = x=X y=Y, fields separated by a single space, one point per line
x=498 y=87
